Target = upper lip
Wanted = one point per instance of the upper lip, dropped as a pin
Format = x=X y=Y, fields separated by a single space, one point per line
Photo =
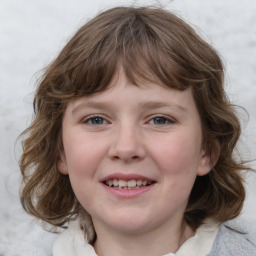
x=126 y=177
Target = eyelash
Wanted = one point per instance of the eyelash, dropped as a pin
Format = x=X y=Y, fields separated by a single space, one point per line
x=89 y=120
x=167 y=120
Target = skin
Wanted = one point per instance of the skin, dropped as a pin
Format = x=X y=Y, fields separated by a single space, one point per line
x=148 y=130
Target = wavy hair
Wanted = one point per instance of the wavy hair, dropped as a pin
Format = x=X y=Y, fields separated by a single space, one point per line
x=151 y=44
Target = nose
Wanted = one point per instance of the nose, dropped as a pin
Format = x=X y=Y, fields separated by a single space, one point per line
x=127 y=144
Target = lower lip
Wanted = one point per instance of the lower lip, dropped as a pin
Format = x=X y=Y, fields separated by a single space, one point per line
x=128 y=193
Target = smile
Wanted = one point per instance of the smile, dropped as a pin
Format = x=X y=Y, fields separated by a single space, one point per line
x=129 y=184
x=125 y=185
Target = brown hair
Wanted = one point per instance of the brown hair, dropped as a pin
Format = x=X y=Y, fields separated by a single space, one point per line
x=152 y=44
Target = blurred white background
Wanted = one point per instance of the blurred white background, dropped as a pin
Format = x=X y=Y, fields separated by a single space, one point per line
x=32 y=32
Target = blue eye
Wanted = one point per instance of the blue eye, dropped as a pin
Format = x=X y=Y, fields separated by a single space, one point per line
x=97 y=120
x=161 y=120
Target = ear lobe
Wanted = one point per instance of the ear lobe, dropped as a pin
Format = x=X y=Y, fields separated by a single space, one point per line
x=62 y=165
x=209 y=159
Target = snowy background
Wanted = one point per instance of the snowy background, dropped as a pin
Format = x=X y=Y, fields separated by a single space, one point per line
x=32 y=32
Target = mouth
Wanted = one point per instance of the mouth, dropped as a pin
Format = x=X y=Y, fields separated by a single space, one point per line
x=127 y=184
x=127 y=181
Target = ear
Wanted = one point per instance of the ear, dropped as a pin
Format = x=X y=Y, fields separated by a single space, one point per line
x=209 y=159
x=62 y=164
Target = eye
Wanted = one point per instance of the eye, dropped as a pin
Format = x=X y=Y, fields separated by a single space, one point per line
x=161 y=120
x=95 y=120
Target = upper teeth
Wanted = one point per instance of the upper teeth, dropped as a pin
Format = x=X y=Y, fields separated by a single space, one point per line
x=127 y=184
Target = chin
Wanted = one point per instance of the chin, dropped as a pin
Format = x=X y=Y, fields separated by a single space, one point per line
x=130 y=223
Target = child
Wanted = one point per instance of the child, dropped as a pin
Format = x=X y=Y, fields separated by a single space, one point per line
x=132 y=143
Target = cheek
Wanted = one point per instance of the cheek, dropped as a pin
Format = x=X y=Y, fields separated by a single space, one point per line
x=178 y=154
x=82 y=161
x=83 y=154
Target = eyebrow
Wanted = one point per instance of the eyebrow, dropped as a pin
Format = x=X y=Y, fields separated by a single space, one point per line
x=156 y=104
x=145 y=105
x=89 y=104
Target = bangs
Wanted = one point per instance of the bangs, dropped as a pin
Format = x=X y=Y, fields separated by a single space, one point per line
x=131 y=42
x=150 y=44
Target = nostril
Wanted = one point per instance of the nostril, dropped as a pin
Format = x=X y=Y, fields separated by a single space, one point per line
x=116 y=157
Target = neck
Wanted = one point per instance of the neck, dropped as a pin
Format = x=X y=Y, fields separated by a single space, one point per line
x=157 y=242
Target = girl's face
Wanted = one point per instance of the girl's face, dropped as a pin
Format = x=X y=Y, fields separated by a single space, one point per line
x=132 y=155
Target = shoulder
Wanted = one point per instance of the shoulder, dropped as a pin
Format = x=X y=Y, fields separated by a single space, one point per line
x=232 y=241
